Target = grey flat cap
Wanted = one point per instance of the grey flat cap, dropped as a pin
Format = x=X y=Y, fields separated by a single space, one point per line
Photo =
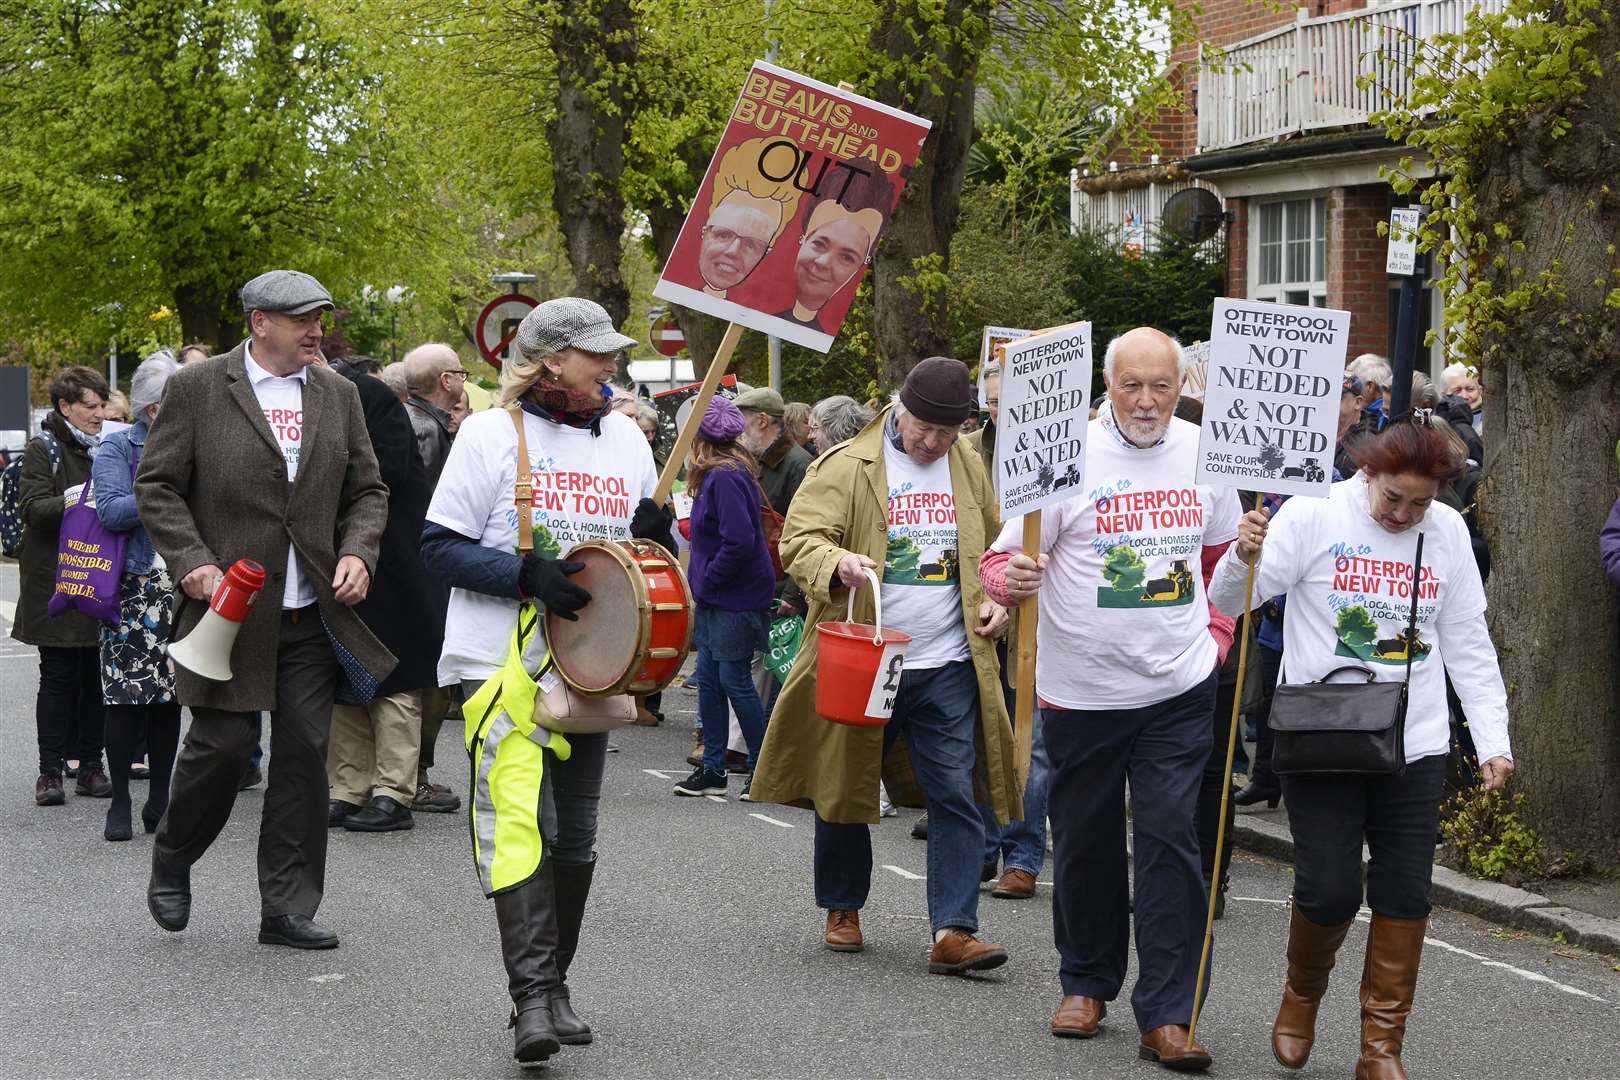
x=569 y=322
x=290 y=292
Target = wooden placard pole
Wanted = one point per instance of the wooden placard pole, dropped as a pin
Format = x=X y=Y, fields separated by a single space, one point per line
x=700 y=405
x=1024 y=702
x=1226 y=790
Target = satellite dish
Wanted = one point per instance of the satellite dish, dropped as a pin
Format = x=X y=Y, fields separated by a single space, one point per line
x=1194 y=214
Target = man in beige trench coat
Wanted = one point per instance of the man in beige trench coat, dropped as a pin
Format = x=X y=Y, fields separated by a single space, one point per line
x=905 y=499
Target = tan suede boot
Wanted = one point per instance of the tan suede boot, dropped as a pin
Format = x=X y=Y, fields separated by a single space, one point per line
x=1311 y=952
x=1388 y=982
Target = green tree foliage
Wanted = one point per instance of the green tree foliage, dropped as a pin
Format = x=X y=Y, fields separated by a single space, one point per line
x=1170 y=287
x=158 y=153
x=1355 y=626
x=1124 y=568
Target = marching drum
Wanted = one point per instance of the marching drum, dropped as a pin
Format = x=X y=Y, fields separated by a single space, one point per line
x=635 y=633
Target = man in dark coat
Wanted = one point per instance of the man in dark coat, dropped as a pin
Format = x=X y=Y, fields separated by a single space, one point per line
x=371 y=764
x=436 y=380
x=262 y=454
x=438 y=385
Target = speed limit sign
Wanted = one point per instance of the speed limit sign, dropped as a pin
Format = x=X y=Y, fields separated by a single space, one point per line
x=498 y=323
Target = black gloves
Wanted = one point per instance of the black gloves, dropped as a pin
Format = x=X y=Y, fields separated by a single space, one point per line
x=546 y=580
x=655 y=523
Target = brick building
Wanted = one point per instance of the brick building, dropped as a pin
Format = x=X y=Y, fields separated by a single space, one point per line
x=1274 y=122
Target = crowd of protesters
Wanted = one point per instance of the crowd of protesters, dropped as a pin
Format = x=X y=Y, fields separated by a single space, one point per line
x=399 y=584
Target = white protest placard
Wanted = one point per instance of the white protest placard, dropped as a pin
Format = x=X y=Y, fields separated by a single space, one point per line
x=1403 y=230
x=993 y=336
x=1045 y=410
x=1195 y=358
x=1271 y=407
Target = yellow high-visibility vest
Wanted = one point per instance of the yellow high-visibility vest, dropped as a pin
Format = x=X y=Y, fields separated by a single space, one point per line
x=507 y=751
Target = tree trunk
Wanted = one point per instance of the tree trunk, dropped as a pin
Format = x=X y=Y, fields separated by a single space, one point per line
x=212 y=320
x=595 y=46
x=1551 y=424
x=910 y=318
x=703 y=332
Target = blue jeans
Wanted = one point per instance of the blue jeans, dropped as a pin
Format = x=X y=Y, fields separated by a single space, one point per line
x=726 y=642
x=938 y=710
x=1022 y=844
x=1161 y=749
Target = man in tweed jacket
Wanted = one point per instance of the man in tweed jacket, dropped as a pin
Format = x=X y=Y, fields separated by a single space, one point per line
x=263 y=454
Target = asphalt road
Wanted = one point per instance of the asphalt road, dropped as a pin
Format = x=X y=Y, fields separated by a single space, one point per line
x=701 y=957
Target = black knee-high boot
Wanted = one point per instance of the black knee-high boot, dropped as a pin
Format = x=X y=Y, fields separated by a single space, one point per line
x=162 y=740
x=527 y=917
x=573 y=889
x=122 y=722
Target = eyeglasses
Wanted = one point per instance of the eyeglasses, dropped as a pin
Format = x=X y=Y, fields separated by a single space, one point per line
x=725 y=237
x=463 y=372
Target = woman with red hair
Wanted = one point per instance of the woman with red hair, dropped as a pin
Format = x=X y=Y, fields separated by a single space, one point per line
x=1347 y=565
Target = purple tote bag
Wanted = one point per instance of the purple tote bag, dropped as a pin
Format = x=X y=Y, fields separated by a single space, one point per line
x=89 y=562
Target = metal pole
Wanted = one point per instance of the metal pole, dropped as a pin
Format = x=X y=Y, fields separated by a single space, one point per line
x=776 y=362
x=1407 y=331
x=112 y=364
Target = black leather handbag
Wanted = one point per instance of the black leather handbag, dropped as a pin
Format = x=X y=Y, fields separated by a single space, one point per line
x=1345 y=727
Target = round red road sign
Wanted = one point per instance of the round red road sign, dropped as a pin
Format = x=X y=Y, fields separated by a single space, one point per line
x=665 y=335
x=498 y=323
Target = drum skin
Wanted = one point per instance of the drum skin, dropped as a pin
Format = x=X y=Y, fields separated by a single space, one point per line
x=633 y=637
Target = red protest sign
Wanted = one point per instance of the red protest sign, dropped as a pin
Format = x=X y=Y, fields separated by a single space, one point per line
x=800 y=187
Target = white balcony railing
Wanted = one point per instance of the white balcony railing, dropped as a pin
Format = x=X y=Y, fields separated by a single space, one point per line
x=1307 y=75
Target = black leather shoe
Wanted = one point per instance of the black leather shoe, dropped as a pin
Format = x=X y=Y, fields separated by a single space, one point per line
x=571 y=1030
x=295 y=931
x=1256 y=792
x=252 y=778
x=533 y=1037
x=383 y=814
x=168 y=895
x=339 y=809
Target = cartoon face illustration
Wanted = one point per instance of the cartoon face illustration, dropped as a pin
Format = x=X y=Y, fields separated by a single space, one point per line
x=747 y=214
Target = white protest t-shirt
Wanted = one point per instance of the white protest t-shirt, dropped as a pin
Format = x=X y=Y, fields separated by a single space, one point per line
x=922 y=573
x=1123 y=620
x=1349 y=586
x=586 y=487
x=282 y=402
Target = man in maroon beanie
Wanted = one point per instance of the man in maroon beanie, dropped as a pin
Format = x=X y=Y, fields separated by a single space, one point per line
x=906 y=500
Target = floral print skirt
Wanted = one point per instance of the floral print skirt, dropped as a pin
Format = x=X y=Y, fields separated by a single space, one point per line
x=135 y=666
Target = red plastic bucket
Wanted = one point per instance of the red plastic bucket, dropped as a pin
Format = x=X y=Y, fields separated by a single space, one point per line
x=858 y=666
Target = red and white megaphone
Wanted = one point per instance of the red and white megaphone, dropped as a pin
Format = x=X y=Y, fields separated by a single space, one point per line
x=206 y=651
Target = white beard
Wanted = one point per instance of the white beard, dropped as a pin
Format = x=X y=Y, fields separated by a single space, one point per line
x=1143 y=433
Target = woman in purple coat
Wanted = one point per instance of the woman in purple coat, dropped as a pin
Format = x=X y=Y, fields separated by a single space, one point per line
x=734 y=585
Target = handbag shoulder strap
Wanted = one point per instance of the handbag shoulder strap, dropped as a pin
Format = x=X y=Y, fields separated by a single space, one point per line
x=522 y=490
x=1411 y=625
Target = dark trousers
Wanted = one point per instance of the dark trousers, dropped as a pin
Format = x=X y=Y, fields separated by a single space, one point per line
x=68 y=710
x=1396 y=815
x=1161 y=749
x=292 y=831
x=1209 y=786
x=1270 y=669
x=938 y=709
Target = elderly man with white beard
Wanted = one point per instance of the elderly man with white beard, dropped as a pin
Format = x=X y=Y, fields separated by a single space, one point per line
x=1127 y=654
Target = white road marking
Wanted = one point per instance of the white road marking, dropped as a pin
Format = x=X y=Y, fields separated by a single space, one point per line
x=1258 y=899
x=8 y=610
x=660 y=774
x=332 y=977
x=907 y=874
x=771 y=820
x=721 y=799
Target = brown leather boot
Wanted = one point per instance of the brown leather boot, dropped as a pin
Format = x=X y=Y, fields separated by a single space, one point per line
x=959 y=952
x=1311 y=952
x=1388 y=981
x=844 y=931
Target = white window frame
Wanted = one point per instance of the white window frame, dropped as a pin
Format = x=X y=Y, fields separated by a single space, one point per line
x=1287 y=291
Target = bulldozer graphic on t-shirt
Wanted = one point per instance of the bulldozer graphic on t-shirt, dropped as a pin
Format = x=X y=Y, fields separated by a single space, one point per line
x=1128 y=584
x=1358 y=635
